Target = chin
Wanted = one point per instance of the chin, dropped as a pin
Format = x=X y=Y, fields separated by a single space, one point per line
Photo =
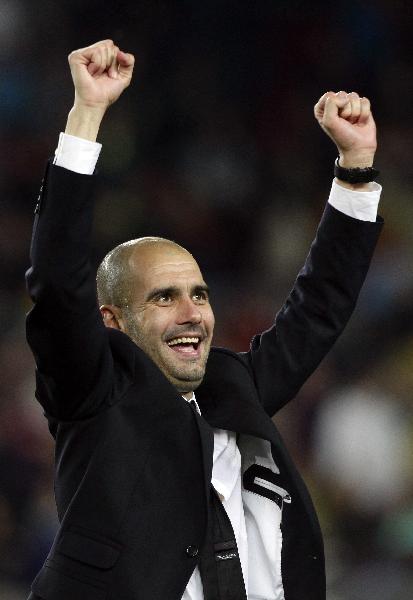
x=185 y=384
x=186 y=387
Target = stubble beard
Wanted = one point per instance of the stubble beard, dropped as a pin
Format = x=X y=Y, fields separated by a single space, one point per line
x=185 y=377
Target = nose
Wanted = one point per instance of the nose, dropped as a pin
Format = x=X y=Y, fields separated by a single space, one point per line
x=188 y=311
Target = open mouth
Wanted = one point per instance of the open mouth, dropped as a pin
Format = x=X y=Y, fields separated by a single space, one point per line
x=189 y=346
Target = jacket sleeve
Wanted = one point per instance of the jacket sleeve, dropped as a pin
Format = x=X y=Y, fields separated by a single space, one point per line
x=317 y=309
x=64 y=328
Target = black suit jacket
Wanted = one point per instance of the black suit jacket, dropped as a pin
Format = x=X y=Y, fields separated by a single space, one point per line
x=133 y=462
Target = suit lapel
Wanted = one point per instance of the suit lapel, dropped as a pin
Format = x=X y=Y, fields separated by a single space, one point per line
x=228 y=398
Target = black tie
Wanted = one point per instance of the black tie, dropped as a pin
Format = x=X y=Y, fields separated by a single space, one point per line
x=193 y=405
x=219 y=562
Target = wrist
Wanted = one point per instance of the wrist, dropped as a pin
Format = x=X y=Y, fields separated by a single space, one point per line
x=84 y=121
x=356 y=159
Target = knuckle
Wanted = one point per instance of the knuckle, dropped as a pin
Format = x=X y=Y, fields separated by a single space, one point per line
x=103 y=43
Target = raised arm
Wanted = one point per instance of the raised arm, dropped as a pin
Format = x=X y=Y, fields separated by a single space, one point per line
x=64 y=328
x=326 y=290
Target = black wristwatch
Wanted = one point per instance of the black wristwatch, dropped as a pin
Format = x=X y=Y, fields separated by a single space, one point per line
x=356 y=175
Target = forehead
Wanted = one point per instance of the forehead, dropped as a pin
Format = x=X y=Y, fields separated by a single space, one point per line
x=160 y=264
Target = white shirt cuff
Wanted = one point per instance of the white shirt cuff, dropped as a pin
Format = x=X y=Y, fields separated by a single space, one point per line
x=77 y=154
x=359 y=205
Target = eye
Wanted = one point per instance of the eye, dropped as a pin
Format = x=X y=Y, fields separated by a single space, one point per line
x=200 y=297
x=164 y=299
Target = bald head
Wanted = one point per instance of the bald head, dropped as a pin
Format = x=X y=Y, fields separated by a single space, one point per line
x=152 y=290
x=117 y=272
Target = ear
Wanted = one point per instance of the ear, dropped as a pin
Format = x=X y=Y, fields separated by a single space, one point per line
x=112 y=316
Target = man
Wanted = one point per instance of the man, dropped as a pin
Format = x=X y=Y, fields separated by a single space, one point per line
x=163 y=494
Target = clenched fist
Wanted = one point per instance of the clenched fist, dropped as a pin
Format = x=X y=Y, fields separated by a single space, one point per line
x=100 y=73
x=348 y=120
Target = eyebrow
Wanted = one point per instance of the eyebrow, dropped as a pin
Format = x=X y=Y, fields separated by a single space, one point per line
x=173 y=291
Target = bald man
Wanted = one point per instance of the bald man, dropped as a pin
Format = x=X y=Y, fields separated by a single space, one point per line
x=153 y=290
x=172 y=481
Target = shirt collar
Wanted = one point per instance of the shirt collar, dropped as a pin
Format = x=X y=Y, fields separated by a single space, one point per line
x=193 y=399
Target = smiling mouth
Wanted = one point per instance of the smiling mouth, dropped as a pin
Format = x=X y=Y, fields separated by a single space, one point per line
x=186 y=346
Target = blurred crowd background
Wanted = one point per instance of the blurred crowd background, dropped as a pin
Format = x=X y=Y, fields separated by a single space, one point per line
x=215 y=145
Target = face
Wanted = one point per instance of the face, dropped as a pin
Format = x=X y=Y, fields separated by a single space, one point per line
x=170 y=316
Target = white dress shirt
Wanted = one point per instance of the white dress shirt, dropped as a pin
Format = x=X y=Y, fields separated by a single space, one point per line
x=81 y=156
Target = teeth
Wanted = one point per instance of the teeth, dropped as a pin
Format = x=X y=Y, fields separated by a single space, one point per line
x=183 y=340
